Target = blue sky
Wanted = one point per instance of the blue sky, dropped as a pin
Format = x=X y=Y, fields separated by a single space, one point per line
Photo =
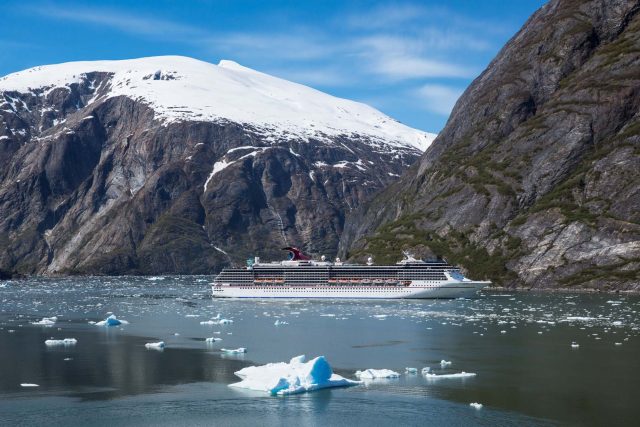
x=409 y=59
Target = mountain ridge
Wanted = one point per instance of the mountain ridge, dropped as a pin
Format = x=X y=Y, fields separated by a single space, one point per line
x=107 y=171
x=533 y=181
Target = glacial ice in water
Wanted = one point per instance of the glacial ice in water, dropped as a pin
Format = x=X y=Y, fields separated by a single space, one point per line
x=155 y=345
x=462 y=374
x=234 y=350
x=370 y=374
x=111 y=321
x=444 y=363
x=476 y=405
x=66 y=341
x=46 y=321
x=297 y=376
x=29 y=385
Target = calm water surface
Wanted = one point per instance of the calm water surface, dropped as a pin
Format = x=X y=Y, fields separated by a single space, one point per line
x=519 y=345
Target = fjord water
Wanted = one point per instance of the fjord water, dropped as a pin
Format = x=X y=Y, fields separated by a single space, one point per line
x=518 y=344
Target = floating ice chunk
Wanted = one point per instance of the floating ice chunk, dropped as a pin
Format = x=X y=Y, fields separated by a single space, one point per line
x=111 y=321
x=444 y=363
x=503 y=332
x=234 y=351
x=224 y=321
x=280 y=322
x=67 y=359
x=66 y=341
x=212 y=340
x=209 y=322
x=155 y=345
x=46 y=321
x=476 y=405
x=617 y=323
x=293 y=377
x=618 y=343
x=191 y=315
x=411 y=371
x=370 y=374
x=28 y=385
x=380 y=316
x=425 y=370
x=575 y=345
x=462 y=374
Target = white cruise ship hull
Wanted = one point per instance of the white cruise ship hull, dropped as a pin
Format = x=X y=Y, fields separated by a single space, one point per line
x=417 y=290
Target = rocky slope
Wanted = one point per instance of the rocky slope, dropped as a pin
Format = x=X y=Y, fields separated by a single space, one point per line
x=535 y=180
x=173 y=165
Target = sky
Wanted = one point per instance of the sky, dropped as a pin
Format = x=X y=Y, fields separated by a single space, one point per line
x=411 y=60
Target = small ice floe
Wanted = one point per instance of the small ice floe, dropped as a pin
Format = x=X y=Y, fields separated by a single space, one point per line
x=280 y=322
x=425 y=370
x=411 y=371
x=46 y=321
x=155 y=345
x=111 y=321
x=462 y=374
x=212 y=340
x=215 y=321
x=476 y=405
x=176 y=334
x=444 y=363
x=234 y=350
x=575 y=345
x=67 y=359
x=191 y=315
x=618 y=343
x=66 y=341
x=503 y=332
x=380 y=316
x=297 y=376
x=29 y=385
x=371 y=374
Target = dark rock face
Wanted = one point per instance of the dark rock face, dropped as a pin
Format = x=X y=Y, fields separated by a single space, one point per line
x=96 y=185
x=535 y=180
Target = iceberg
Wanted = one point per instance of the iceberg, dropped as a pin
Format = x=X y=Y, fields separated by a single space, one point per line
x=234 y=351
x=224 y=321
x=462 y=374
x=280 y=322
x=444 y=363
x=297 y=376
x=66 y=341
x=46 y=321
x=412 y=371
x=370 y=374
x=212 y=339
x=425 y=370
x=111 y=321
x=476 y=405
x=28 y=385
x=155 y=345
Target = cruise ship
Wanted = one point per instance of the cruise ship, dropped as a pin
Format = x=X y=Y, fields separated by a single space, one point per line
x=302 y=277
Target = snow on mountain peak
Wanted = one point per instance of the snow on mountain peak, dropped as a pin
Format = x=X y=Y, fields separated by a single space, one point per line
x=180 y=88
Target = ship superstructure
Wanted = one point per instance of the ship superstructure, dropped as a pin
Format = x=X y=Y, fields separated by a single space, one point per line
x=302 y=277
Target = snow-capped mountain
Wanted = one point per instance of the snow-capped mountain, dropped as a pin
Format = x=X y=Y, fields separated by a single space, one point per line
x=170 y=164
x=179 y=88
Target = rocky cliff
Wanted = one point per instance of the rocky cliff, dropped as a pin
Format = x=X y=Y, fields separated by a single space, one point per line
x=172 y=165
x=535 y=180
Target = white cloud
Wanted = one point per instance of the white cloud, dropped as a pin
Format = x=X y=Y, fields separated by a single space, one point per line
x=121 y=21
x=437 y=98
